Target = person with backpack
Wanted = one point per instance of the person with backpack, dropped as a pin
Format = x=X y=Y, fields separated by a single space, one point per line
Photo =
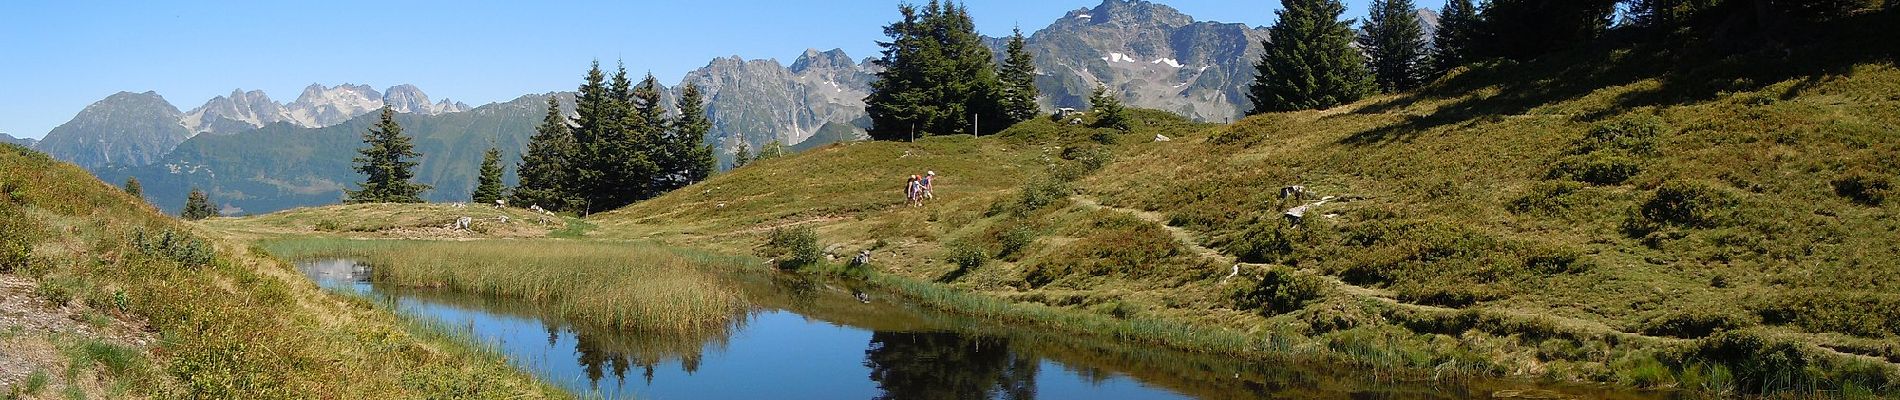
x=914 y=191
x=930 y=178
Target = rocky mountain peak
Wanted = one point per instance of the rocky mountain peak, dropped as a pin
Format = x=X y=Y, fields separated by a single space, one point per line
x=830 y=59
x=321 y=106
x=1136 y=12
x=125 y=128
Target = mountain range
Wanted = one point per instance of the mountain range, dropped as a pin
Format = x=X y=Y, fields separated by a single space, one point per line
x=259 y=155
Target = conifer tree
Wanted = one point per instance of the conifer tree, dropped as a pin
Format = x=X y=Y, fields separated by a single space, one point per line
x=1451 y=44
x=1525 y=29
x=385 y=162
x=1108 y=109
x=488 y=186
x=938 y=76
x=133 y=188
x=545 y=167
x=742 y=156
x=593 y=118
x=1310 y=62
x=772 y=150
x=198 y=206
x=690 y=159
x=1395 y=44
x=1018 y=82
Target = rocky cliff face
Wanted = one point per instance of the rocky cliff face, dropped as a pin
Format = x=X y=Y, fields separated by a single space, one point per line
x=1152 y=55
x=759 y=101
x=317 y=107
x=125 y=129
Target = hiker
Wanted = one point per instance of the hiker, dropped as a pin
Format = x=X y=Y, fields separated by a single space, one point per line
x=930 y=178
x=913 y=191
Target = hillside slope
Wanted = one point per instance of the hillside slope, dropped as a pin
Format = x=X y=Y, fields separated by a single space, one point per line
x=170 y=313
x=1653 y=215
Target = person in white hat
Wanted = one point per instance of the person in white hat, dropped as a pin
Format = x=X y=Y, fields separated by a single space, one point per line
x=930 y=178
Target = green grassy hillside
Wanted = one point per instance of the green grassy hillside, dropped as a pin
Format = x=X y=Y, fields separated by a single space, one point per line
x=208 y=318
x=1655 y=215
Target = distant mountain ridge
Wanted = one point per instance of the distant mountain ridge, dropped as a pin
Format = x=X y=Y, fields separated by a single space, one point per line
x=136 y=129
x=316 y=107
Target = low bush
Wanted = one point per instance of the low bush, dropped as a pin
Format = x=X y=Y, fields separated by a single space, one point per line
x=187 y=250
x=1692 y=204
x=1863 y=187
x=1036 y=194
x=328 y=225
x=1599 y=168
x=16 y=238
x=967 y=257
x=1549 y=198
x=1014 y=241
x=1550 y=260
x=1280 y=291
x=1697 y=322
x=1635 y=134
x=794 y=248
x=1816 y=310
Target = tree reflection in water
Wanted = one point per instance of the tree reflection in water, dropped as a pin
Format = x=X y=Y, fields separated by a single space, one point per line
x=947 y=365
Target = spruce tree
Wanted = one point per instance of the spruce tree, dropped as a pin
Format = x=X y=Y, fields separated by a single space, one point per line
x=198 y=206
x=1395 y=44
x=1108 y=110
x=385 y=162
x=133 y=188
x=742 y=156
x=1451 y=44
x=1310 y=62
x=938 y=76
x=687 y=140
x=545 y=167
x=488 y=184
x=592 y=120
x=1525 y=29
x=1018 y=82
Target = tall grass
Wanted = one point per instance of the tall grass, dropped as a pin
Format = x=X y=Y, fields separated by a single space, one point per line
x=611 y=284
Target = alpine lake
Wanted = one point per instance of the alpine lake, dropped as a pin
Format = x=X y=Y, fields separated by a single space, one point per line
x=807 y=338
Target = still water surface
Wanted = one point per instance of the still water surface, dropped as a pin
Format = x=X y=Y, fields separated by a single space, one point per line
x=813 y=340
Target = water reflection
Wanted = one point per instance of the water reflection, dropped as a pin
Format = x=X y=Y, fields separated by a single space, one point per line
x=946 y=365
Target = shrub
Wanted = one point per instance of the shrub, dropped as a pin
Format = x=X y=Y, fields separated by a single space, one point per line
x=181 y=247
x=1555 y=260
x=1864 y=187
x=1816 y=310
x=1696 y=322
x=1601 y=168
x=967 y=257
x=1105 y=136
x=16 y=238
x=1635 y=135
x=794 y=247
x=1088 y=157
x=1692 y=204
x=1014 y=241
x=1040 y=193
x=328 y=225
x=1280 y=291
x=1264 y=241
x=1547 y=198
x=1757 y=362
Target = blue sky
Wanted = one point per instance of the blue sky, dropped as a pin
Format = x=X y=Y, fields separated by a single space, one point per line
x=56 y=57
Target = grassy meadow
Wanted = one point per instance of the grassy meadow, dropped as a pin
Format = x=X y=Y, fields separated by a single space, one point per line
x=228 y=321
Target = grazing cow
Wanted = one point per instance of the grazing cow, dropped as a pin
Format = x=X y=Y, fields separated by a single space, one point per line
x=863 y=258
x=500 y=203
x=1161 y=138
x=463 y=222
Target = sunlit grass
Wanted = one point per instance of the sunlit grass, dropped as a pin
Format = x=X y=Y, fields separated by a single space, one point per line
x=628 y=286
